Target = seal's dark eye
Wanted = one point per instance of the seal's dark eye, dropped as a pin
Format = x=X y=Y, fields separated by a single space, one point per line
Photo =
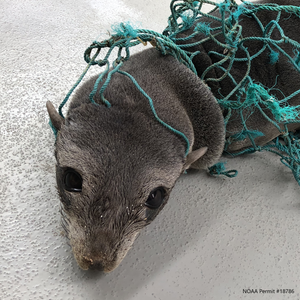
x=72 y=181
x=156 y=198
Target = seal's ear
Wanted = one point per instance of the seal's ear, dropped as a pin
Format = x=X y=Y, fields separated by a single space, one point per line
x=193 y=156
x=56 y=119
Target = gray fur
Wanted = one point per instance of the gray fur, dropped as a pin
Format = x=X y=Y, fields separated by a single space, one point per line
x=122 y=153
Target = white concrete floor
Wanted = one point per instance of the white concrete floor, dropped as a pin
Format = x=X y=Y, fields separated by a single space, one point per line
x=216 y=237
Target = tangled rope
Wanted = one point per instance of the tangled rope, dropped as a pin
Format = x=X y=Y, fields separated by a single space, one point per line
x=249 y=94
x=124 y=38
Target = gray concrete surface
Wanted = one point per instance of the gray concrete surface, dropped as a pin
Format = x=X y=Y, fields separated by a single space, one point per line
x=216 y=237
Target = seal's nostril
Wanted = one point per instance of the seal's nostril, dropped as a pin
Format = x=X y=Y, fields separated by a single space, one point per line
x=92 y=264
x=88 y=261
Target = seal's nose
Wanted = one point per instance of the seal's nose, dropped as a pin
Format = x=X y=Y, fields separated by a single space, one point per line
x=90 y=263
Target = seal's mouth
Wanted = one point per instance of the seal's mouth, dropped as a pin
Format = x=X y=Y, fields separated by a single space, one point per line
x=99 y=251
x=89 y=259
x=88 y=263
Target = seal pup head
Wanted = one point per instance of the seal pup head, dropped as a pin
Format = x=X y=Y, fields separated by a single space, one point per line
x=115 y=171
